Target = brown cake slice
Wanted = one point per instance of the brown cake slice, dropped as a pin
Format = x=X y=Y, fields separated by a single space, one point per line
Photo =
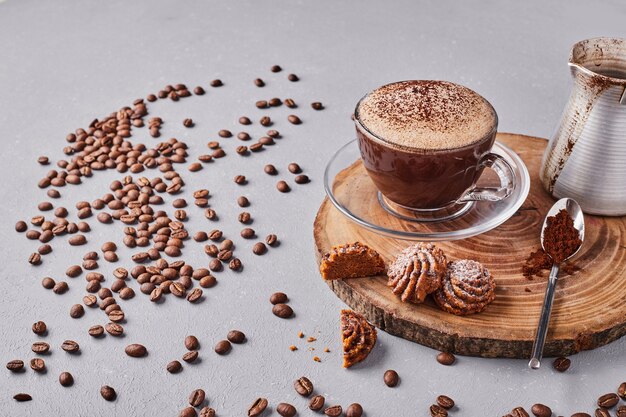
x=352 y=260
x=358 y=337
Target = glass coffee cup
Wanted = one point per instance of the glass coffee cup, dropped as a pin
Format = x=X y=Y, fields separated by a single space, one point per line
x=425 y=144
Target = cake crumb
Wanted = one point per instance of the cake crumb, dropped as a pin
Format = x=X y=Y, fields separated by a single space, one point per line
x=293 y=348
x=311 y=339
x=326 y=350
x=316 y=359
x=300 y=335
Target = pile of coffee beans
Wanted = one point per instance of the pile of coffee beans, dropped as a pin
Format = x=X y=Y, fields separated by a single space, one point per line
x=281 y=308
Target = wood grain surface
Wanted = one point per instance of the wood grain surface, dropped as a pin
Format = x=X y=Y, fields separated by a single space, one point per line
x=589 y=308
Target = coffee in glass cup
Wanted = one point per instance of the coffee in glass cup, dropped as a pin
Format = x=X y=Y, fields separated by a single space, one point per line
x=425 y=144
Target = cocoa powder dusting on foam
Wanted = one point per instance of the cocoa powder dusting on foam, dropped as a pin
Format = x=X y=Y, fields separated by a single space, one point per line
x=427 y=114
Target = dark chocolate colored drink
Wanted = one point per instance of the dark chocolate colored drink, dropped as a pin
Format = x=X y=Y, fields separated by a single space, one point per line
x=422 y=142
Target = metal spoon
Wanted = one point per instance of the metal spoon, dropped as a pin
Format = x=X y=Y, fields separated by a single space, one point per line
x=575 y=212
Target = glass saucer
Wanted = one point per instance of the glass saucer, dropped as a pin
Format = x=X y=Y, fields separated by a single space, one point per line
x=352 y=191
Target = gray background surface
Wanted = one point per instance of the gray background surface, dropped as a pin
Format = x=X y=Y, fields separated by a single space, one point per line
x=65 y=62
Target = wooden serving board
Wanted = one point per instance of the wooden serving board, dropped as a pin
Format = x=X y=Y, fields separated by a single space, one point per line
x=589 y=308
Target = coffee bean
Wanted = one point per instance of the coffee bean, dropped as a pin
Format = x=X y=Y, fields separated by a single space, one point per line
x=110 y=256
x=198 y=91
x=235 y=264
x=188 y=122
x=609 y=400
x=34 y=258
x=294 y=168
x=188 y=412
x=21 y=397
x=391 y=378
x=265 y=121
x=270 y=169
x=302 y=179
x=286 y=410
x=621 y=411
x=276 y=68
x=15 y=365
x=192 y=343
x=207 y=412
x=217 y=83
x=333 y=411
x=243 y=201
x=258 y=406
x=271 y=239
x=245 y=120
x=446 y=358
x=39 y=328
x=259 y=82
x=293 y=77
x=261 y=104
x=21 y=226
x=77 y=311
x=445 y=402
x=225 y=133
x=136 y=350
x=317 y=402
x=241 y=150
x=196 y=398
x=222 y=347
x=37 y=365
x=218 y=153
x=48 y=283
x=316 y=105
x=283 y=187
x=248 y=233
x=282 y=310
x=580 y=415
x=519 y=412
x=174 y=367
x=240 y=179
x=540 y=410
x=96 y=331
x=45 y=206
x=77 y=240
x=290 y=103
x=70 y=346
x=191 y=356
x=52 y=193
x=621 y=390
x=354 y=410
x=60 y=287
x=114 y=329
x=108 y=393
x=40 y=347
x=66 y=379
x=293 y=119
x=208 y=281
x=236 y=336
x=279 y=298
x=259 y=248
x=215 y=265
x=437 y=411
x=303 y=386
x=602 y=412
x=561 y=364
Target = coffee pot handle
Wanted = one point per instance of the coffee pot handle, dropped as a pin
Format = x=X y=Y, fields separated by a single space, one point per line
x=507 y=181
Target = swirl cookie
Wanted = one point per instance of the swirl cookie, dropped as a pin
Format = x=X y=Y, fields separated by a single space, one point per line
x=358 y=337
x=416 y=272
x=466 y=288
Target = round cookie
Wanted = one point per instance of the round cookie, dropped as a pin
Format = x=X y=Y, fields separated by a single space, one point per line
x=466 y=288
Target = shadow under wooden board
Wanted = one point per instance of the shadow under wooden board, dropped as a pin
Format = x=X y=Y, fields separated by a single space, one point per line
x=589 y=308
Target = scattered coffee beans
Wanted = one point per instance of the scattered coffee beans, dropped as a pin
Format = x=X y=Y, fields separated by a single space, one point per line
x=621 y=390
x=38 y=365
x=438 y=411
x=270 y=169
x=445 y=402
x=283 y=187
x=21 y=397
x=188 y=412
x=96 y=331
x=609 y=400
x=333 y=411
x=391 y=378
x=316 y=105
x=39 y=328
x=302 y=179
x=136 y=350
x=293 y=119
x=294 y=168
x=279 y=298
x=192 y=343
x=174 y=367
x=70 y=346
x=259 y=248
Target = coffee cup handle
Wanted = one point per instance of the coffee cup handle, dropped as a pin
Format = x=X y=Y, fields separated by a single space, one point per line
x=507 y=181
